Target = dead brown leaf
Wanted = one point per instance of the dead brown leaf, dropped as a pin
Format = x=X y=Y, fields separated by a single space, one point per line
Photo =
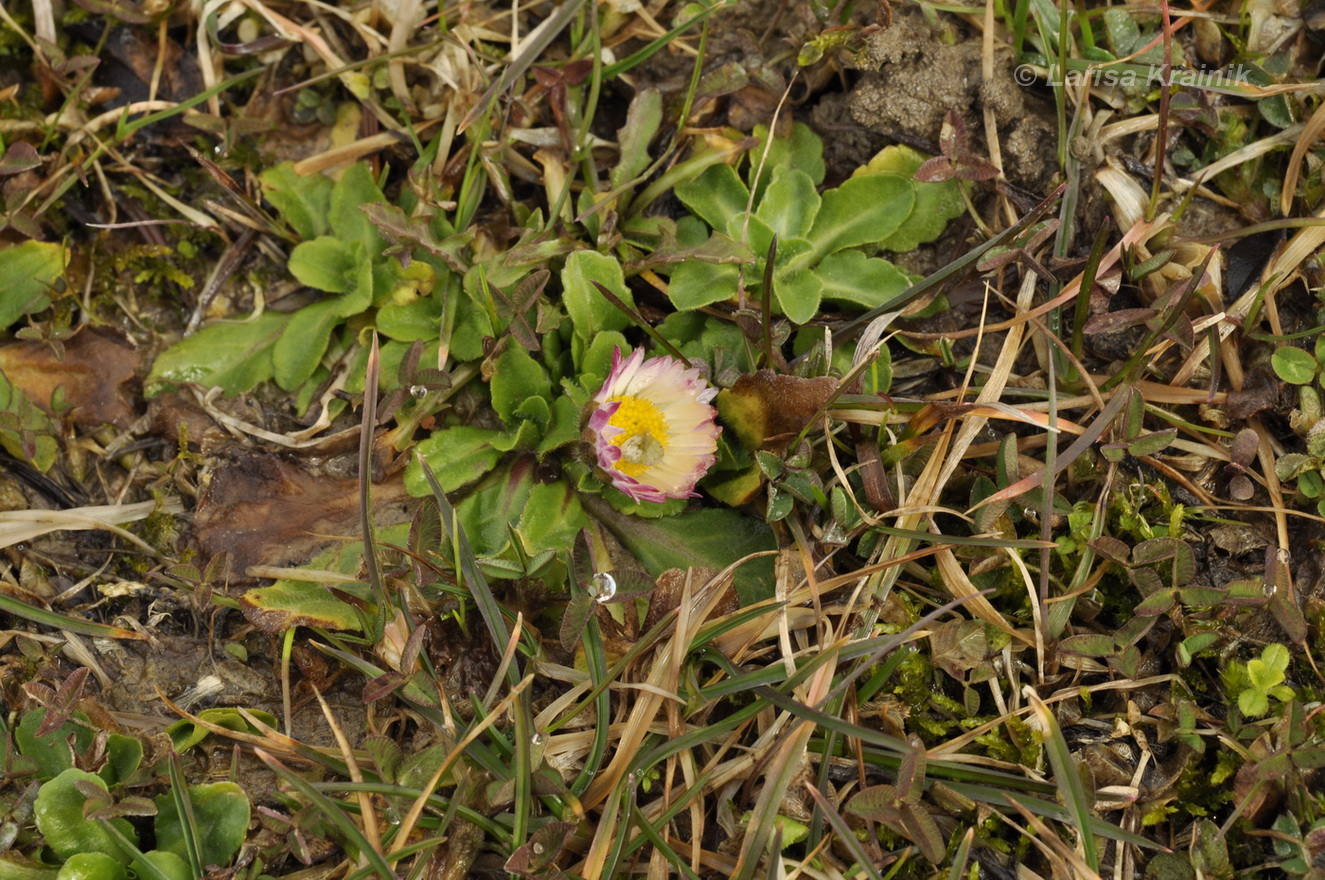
x=93 y=373
x=266 y=509
x=767 y=410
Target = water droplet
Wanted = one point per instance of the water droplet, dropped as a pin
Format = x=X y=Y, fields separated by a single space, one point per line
x=602 y=586
x=538 y=848
x=418 y=392
x=538 y=739
x=834 y=534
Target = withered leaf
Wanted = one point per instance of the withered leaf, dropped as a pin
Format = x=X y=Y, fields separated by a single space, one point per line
x=92 y=374
x=767 y=410
x=269 y=510
x=958 y=646
x=1259 y=392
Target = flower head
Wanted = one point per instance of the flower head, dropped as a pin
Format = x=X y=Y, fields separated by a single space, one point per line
x=652 y=428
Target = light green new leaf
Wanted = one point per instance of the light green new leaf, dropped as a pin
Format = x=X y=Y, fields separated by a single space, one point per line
x=289 y=603
x=642 y=121
x=552 y=518
x=802 y=150
x=936 y=202
x=1294 y=365
x=716 y=196
x=852 y=277
x=694 y=285
x=170 y=866
x=789 y=205
x=232 y=355
x=458 y=456
x=328 y=264
x=411 y=321
x=28 y=270
x=356 y=187
x=863 y=210
x=51 y=753
x=1253 y=703
x=589 y=310
x=595 y=359
x=59 y=814
x=298 y=352
x=1262 y=675
x=563 y=428
x=301 y=347
x=91 y=866
x=517 y=378
x=1276 y=656
x=304 y=201
x=220 y=813
x=487 y=513
x=185 y=733
x=710 y=538
x=799 y=295
x=757 y=235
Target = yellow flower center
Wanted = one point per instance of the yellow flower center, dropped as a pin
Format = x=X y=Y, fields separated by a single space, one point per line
x=643 y=437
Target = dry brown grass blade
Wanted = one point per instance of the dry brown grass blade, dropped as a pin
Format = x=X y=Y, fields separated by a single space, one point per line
x=1277 y=274
x=1065 y=861
x=993 y=387
x=987 y=46
x=661 y=682
x=367 y=814
x=271 y=739
x=416 y=809
x=347 y=154
x=1311 y=132
x=959 y=586
x=951 y=750
x=784 y=765
x=1035 y=480
x=17 y=526
x=1137 y=234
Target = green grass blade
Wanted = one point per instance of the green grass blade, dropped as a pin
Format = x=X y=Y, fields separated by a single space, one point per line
x=334 y=813
x=478 y=584
x=179 y=793
x=955 y=270
x=55 y=620
x=844 y=833
x=651 y=834
x=596 y=658
x=640 y=56
x=125 y=128
x=530 y=50
x=962 y=856
x=146 y=869
x=367 y=430
x=1071 y=790
x=495 y=829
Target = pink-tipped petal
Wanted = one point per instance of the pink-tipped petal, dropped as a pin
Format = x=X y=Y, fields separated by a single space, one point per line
x=652 y=427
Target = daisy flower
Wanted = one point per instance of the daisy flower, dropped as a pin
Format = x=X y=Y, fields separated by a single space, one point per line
x=652 y=428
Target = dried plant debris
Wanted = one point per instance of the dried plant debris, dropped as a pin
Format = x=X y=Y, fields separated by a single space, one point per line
x=697 y=440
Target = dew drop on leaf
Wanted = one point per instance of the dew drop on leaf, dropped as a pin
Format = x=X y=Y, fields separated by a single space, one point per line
x=418 y=392
x=602 y=586
x=834 y=534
